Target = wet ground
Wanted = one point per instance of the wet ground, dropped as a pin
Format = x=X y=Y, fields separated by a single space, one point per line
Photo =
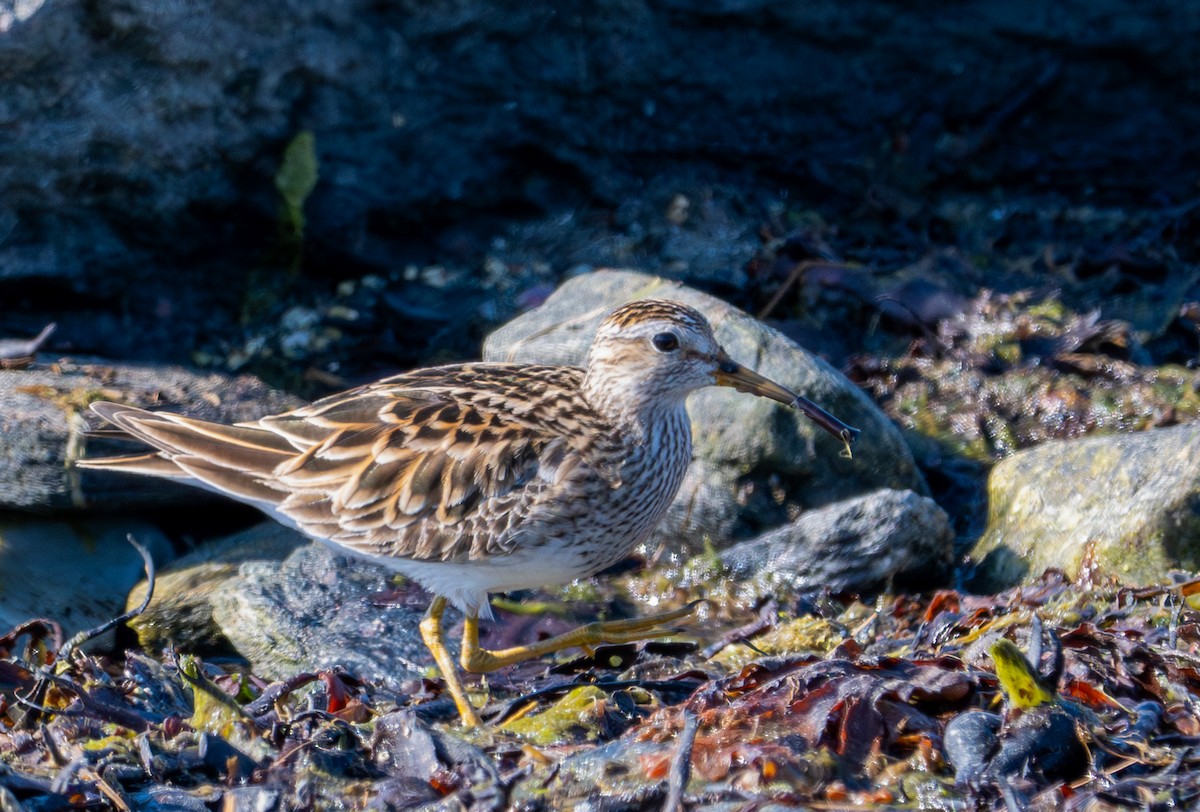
x=904 y=702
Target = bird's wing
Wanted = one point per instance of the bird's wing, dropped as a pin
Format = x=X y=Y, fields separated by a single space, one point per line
x=432 y=465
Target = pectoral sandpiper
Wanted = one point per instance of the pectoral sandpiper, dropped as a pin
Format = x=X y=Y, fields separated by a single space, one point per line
x=479 y=478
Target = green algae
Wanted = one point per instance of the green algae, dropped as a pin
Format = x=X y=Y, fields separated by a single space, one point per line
x=798 y=636
x=1022 y=687
x=575 y=717
x=213 y=710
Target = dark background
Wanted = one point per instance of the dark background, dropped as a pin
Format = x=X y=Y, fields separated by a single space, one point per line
x=471 y=154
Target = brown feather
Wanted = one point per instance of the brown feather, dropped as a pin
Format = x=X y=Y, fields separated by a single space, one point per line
x=236 y=483
x=147 y=464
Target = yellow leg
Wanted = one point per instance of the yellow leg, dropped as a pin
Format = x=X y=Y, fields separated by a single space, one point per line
x=431 y=633
x=480 y=660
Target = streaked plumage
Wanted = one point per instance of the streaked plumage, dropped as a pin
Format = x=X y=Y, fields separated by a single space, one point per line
x=478 y=477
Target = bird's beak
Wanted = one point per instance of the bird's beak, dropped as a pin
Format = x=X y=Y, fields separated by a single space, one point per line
x=731 y=373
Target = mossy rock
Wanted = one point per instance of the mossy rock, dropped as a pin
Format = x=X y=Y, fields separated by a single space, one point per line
x=1125 y=507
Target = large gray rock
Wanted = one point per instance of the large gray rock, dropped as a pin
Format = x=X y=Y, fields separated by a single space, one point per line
x=44 y=422
x=757 y=464
x=858 y=545
x=315 y=609
x=180 y=615
x=1124 y=506
x=287 y=605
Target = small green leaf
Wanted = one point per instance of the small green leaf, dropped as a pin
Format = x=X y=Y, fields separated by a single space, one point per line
x=213 y=710
x=296 y=179
x=1022 y=686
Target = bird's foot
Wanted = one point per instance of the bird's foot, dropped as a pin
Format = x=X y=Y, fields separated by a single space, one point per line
x=431 y=633
x=480 y=660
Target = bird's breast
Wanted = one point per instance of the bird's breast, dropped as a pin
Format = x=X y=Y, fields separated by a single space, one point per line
x=606 y=505
x=649 y=472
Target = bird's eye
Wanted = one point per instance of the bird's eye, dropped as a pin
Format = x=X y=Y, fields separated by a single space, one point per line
x=665 y=342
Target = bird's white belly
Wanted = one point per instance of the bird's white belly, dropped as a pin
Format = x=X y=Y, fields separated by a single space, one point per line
x=466 y=584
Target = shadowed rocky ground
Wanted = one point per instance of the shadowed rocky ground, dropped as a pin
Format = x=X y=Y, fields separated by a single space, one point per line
x=507 y=144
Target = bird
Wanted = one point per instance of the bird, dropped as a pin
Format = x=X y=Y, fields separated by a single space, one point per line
x=479 y=477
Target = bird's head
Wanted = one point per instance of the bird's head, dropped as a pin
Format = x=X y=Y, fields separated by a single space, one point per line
x=656 y=352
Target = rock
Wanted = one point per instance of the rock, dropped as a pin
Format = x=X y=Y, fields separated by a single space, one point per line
x=1123 y=505
x=44 y=420
x=287 y=605
x=180 y=614
x=1044 y=741
x=75 y=573
x=315 y=610
x=251 y=799
x=854 y=545
x=406 y=749
x=970 y=742
x=757 y=464
x=592 y=775
x=159 y=798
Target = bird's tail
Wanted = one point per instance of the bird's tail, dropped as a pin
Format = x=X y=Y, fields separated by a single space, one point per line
x=235 y=460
